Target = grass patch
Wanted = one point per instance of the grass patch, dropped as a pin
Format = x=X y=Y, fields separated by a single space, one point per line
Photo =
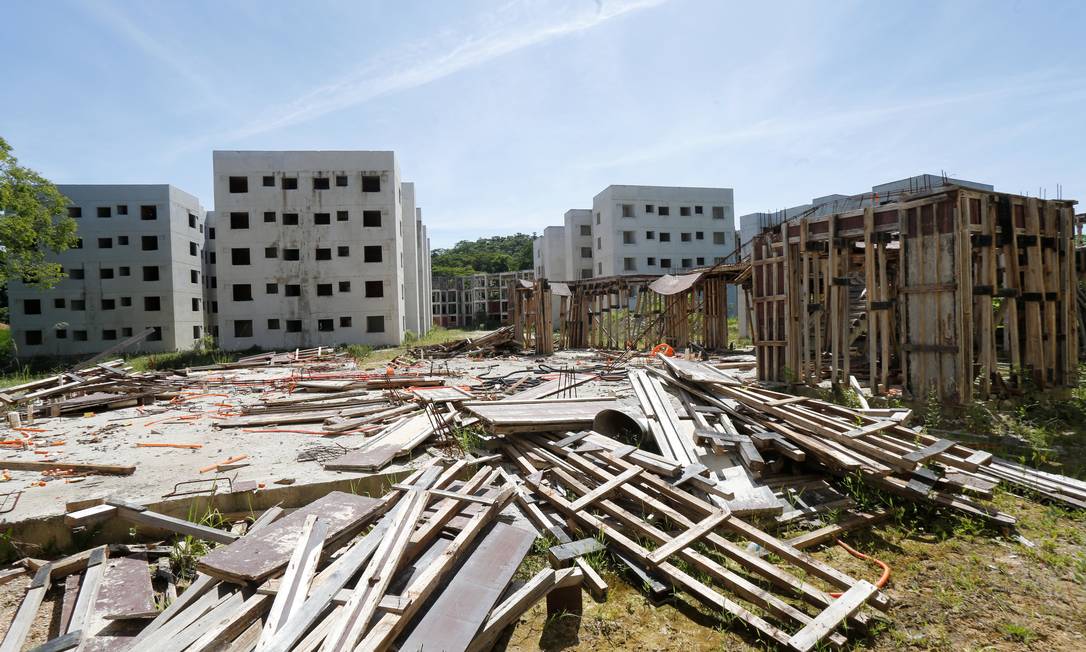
x=1018 y=633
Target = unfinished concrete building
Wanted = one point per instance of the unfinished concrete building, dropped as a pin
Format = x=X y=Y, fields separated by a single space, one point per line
x=137 y=266
x=661 y=229
x=310 y=249
x=422 y=242
x=578 y=244
x=474 y=301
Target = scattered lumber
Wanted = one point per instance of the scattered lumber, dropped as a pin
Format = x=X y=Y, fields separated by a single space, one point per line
x=493 y=343
x=692 y=499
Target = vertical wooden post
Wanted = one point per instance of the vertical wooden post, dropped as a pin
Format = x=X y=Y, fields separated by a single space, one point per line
x=870 y=297
x=835 y=292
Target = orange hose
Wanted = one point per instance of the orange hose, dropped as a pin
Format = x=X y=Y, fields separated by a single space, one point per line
x=664 y=348
x=859 y=555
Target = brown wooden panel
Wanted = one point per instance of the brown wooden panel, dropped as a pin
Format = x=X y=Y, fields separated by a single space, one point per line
x=259 y=554
x=453 y=619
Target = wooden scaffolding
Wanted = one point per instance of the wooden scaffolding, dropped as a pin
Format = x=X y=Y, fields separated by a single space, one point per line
x=943 y=294
x=631 y=312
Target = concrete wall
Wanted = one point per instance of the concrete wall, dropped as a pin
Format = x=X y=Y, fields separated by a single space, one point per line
x=82 y=316
x=410 y=257
x=578 y=236
x=423 y=299
x=629 y=229
x=348 y=308
x=550 y=254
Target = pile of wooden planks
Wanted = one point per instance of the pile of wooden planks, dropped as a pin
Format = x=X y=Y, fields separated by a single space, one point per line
x=496 y=342
x=429 y=565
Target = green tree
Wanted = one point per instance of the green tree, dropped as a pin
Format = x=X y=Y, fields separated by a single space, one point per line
x=503 y=253
x=33 y=224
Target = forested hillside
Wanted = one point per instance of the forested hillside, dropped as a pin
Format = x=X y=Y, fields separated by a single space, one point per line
x=501 y=253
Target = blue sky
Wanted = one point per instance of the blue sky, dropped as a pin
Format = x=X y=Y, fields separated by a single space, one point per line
x=507 y=113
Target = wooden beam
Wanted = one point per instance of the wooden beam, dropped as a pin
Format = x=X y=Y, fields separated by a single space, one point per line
x=27 y=613
x=294 y=585
x=139 y=514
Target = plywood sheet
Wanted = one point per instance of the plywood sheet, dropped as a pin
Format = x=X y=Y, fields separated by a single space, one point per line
x=259 y=554
x=541 y=416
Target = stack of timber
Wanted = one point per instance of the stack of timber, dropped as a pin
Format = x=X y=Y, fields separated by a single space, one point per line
x=496 y=342
x=427 y=566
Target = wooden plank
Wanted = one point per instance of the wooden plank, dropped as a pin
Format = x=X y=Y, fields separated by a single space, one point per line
x=260 y=554
x=688 y=537
x=139 y=514
x=68 y=641
x=370 y=458
x=89 y=515
x=27 y=613
x=216 y=632
x=830 y=618
x=454 y=617
x=71 y=594
x=88 y=590
x=870 y=428
x=541 y=415
x=355 y=617
x=930 y=451
x=126 y=590
x=606 y=488
x=423 y=586
x=295 y=582
x=335 y=577
x=510 y=609
x=99 y=469
x=562 y=554
x=199 y=587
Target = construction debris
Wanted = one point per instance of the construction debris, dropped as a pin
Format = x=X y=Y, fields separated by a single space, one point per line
x=679 y=469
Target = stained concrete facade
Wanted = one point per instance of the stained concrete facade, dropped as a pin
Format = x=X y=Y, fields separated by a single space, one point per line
x=661 y=229
x=410 y=257
x=310 y=248
x=139 y=266
x=426 y=310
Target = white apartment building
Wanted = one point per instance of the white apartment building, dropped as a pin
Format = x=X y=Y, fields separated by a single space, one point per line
x=661 y=230
x=137 y=266
x=549 y=254
x=426 y=281
x=578 y=244
x=310 y=249
x=410 y=255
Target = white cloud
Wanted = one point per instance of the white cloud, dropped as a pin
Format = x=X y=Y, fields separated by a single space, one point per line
x=154 y=47
x=515 y=26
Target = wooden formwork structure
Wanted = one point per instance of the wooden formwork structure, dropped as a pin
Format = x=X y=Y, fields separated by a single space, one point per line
x=944 y=294
x=530 y=307
x=632 y=312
